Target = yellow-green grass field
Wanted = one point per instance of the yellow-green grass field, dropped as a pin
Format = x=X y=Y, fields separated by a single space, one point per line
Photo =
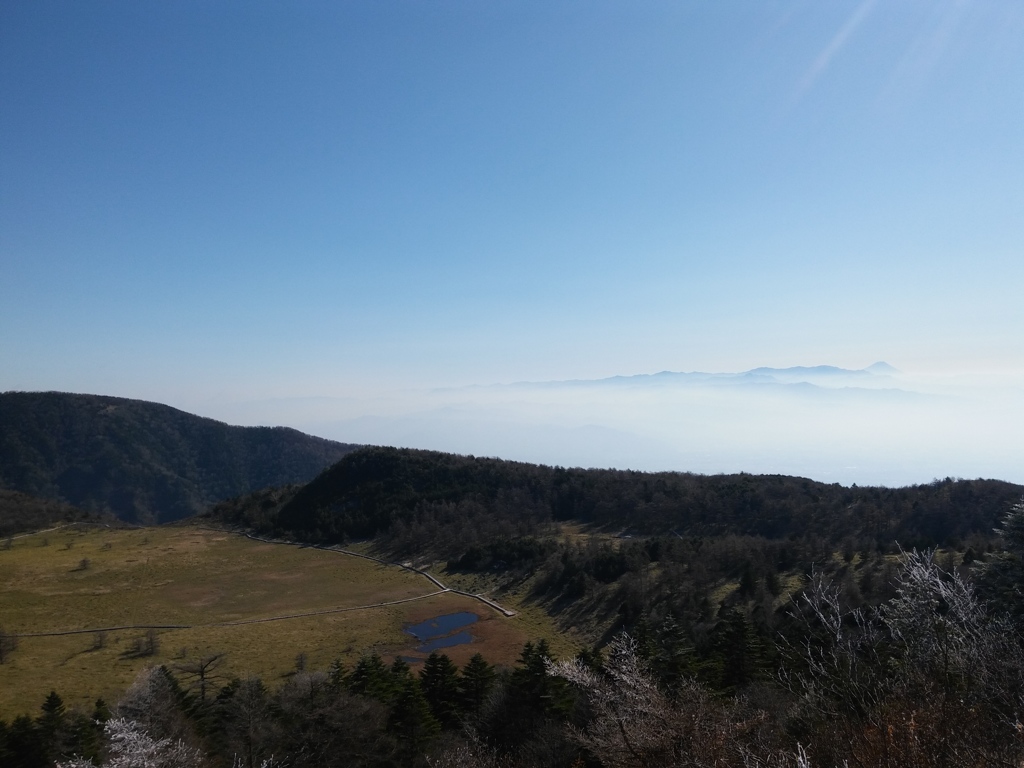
x=203 y=578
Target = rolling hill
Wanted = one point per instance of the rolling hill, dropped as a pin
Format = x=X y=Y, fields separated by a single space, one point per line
x=142 y=461
x=450 y=503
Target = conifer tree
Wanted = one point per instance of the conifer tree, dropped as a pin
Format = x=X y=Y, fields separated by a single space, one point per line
x=672 y=655
x=528 y=700
x=440 y=683
x=371 y=677
x=50 y=724
x=338 y=674
x=100 y=711
x=476 y=684
x=6 y=756
x=26 y=744
x=1001 y=579
x=411 y=720
x=400 y=672
x=53 y=714
x=737 y=650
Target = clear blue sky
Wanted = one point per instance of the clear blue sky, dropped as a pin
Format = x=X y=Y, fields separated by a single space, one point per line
x=243 y=200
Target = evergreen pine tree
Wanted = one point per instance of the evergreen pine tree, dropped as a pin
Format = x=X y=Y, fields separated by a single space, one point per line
x=5 y=753
x=476 y=684
x=85 y=737
x=737 y=649
x=400 y=672
x=100 y=711
x=672 y=655
x=371 y=677
x=53 y=715
x=411 y=720
x=644 y=639
x=338 y=674
x=50 y=725
x=26 y=745
x=440 y=683
x=592 y=657
x=533 y=688
x=1001 y=578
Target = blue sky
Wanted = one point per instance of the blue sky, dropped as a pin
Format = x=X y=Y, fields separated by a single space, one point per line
x=222 y=202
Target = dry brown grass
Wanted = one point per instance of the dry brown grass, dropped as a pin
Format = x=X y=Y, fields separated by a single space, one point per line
x=195 y=576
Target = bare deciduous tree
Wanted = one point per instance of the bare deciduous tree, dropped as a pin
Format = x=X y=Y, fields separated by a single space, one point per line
x=202 y=672
x=469 y=752
x=927 y=680
x=130 y=745
x=151 y=702
x=636 y=725
x=146 y=645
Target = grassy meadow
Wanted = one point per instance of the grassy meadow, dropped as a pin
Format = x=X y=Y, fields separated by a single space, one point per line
x=92 y=577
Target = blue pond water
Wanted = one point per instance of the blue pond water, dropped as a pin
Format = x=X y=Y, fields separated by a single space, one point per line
x=439 y=626
x=442 y=631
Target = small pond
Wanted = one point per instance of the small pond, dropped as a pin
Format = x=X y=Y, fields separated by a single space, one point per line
x=443 y=631
x=439 y=626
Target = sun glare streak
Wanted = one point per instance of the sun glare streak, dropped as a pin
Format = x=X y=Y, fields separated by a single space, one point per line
x=835 y=45
x=918 y=64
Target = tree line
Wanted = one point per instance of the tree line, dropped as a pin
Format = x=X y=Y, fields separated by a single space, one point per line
x=446 y=503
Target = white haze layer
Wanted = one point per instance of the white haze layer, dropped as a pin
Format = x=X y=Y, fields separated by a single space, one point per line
x=875 y=426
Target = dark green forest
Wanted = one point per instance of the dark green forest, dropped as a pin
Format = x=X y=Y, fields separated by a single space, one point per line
x=144 y=462
x=449 y=503
x=21 y=512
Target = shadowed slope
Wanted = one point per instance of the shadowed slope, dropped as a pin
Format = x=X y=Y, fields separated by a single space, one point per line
x=449 y=502
x=143 y=461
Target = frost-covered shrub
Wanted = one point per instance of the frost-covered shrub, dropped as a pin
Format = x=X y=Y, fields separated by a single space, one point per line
x=130 y=746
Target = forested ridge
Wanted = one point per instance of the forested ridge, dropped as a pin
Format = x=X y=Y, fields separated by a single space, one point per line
x=426 y=499
x=142 y=461
x=21 y=512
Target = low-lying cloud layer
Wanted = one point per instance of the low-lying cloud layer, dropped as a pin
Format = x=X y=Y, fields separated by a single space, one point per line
x=874 y=426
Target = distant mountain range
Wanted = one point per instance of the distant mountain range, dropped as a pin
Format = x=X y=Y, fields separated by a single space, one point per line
x=142 y=461
x=820 y=375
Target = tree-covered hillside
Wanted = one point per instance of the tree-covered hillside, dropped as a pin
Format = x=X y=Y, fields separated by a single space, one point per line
x=145 y=462
x=605 y=550
x=21 y=512
x=448 y=503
